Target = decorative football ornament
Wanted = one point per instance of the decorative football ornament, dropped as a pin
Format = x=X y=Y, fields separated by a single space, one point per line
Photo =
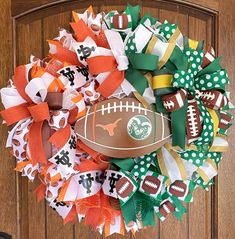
x=123 y=128
x=120 y=21
x=174 y=101
x=166 y=208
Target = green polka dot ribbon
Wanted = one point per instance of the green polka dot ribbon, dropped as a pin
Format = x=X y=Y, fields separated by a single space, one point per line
x=167 y=29
x=141 y=167
x=202 y=85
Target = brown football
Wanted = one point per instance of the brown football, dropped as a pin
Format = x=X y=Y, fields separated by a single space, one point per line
x=166 y=208
x=123 y=128
x=120 y=21
x=213 y=99
x=178 y=188
x=124 y=187
x=194 y=127
x=151 y=184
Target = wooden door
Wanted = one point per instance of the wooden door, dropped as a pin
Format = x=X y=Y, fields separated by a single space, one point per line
x=25 y=27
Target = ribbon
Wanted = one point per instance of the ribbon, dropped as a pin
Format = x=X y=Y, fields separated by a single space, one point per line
x=125 y=21
x=33 y=129
x=139 y=201
x=198 y=83
x=94 y=21
x=116 y=63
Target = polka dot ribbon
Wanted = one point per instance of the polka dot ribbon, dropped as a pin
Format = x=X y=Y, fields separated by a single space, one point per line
x=167 y=30
x=141 y=167
x=203 y=93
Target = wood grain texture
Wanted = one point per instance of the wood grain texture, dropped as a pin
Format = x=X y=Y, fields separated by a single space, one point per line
x=226 y=179
x=8 y=209
x=33 y=220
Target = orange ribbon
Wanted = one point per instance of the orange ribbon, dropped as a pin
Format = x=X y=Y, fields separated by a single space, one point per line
x=101 y=64
x=38 y=112
x=64 y=54
x=20 y=82
x=82 y=31
x=97 y=210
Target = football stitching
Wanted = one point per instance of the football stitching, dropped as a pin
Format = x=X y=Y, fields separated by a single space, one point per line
x=208 y=95
x=168 y=104
x=151 y=184
x=164 y=206
x=192 y=119
x=122 y=107
x=124 y=187
x=176 y=188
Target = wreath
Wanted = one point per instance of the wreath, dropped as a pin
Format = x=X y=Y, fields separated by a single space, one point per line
x=121 y=121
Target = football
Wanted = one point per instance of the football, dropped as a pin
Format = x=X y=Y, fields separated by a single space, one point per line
x=124 y=188
x=174 y=101
x=208 y=57
x=194 y=127
x=166 y=208
x=213 y=99
x=123 y=128
x=151 y=184
x=120 y=21
x=178 y=188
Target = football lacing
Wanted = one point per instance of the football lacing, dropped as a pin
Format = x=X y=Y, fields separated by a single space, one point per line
x=176 y=188
x=151 y=184
x=168 y=104
x=166 y=208
x=122 y=107
x=124 y=187
x=208 y=95
x=192 y=120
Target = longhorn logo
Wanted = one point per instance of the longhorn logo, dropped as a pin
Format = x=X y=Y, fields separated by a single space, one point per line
x=109 y=127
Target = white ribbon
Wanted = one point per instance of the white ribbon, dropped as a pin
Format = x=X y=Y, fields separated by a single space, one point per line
x=67 y=153
x=35 y=86
x=77 y=189
x=118 y=49
x=11 y=97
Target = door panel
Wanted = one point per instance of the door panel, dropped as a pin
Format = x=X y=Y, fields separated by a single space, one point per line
x=36 y=21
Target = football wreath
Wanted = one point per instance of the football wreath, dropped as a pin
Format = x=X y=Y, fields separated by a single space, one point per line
x=121 y=122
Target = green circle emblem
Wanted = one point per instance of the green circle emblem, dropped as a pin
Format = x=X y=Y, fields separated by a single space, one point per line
x=139 y=127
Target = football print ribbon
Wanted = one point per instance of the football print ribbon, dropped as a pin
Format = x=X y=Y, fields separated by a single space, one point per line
x=199 y=84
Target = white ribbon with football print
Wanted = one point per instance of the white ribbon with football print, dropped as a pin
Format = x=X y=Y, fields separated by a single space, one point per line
x=60 y=207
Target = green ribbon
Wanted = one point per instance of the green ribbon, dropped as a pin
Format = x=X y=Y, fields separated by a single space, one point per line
x=180 y=209
x=139 y=64
x=140 y=205
x=189 y=76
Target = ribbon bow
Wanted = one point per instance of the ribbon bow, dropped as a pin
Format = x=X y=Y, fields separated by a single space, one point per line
x=21 y=108
x=109 y=66
x=197 y=90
